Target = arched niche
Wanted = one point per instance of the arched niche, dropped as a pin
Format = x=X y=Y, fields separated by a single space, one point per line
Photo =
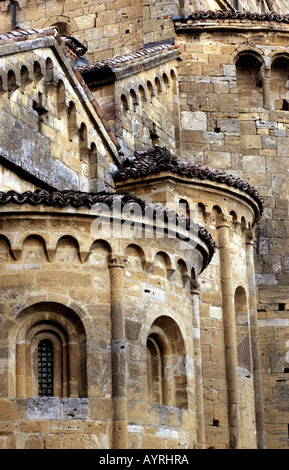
x=34 y=249
x=162 y=265
x=5 y=249
x=166 y=364
x=141 y=97
x=279 y=84
x=150 y=91
x=25 y=79
x=99 y=252
x=124 y=104
x=135 y=257
x=60 y=99
x=201 y=213
x=71 y=120
x=180 y=276
x=134 y=105
x=242 y=329
x=249 y=72
x=37 y=73
x=183 y=207
x=67 y=250
x=11 y=82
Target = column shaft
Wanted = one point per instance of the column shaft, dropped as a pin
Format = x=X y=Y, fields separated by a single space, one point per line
x=229 y=329
x=257 y=377
x=118 y=354
x=200 y=418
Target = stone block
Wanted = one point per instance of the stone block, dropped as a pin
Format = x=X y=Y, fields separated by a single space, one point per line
x=251 y=141
x=75 y=408
x=43 y=408
x=194 y=120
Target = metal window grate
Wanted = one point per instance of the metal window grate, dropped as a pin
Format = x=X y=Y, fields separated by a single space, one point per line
x=45 y=368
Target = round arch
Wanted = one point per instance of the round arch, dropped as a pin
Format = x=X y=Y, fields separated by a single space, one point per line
x=62 y=326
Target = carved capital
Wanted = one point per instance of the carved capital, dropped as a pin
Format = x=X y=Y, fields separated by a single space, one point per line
x=223 y=220
x=116 y=260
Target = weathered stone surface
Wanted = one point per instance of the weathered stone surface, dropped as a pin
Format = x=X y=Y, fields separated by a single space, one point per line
x=209 y=100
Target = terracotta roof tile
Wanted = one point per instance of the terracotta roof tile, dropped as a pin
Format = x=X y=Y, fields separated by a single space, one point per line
x=126 y=59
x=21 y=34
x=161 y=159
x=237 y=15
x=79 y=198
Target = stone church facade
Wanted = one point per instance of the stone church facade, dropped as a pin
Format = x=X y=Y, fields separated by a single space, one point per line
x=144 y=249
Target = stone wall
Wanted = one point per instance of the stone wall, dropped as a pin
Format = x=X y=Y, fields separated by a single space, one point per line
x=209 y=205
x=49 y=130
x=244 y=129
x=147 y=109
x=106 y=28
x=94 y=299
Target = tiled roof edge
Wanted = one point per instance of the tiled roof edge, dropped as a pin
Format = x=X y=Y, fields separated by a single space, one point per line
x=121 y=61
x=237 y=15
x=161 y=159
x=23 y=34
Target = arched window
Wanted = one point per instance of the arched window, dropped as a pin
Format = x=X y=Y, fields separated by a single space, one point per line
x=50 y=353
x=48 y=364
x=166 y=364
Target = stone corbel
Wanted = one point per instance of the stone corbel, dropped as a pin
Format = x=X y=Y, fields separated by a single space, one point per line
x=83 y=255
x=249 y=236
x=147 y=265
x=194 y=287
x=51 y=251
x=170 y=271
x=16 y=251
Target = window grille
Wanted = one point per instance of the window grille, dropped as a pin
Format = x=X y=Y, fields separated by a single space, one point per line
x=45 y=368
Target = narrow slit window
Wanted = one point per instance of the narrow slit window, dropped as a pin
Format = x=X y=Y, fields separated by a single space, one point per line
x=45 y=368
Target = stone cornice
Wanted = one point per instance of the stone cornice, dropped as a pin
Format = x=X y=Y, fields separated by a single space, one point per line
x=216 y=20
